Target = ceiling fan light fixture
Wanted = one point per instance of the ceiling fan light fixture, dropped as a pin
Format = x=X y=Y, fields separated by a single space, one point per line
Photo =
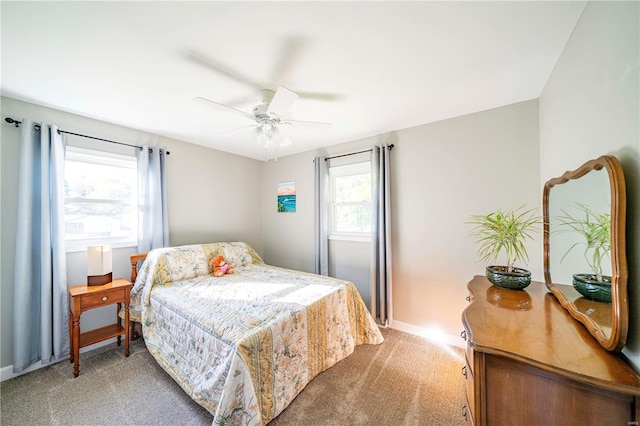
x=261 y=134
x=268 y=116
x=277 y=137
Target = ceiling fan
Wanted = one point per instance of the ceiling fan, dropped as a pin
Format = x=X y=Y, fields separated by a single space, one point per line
x=276 y=99
x=268 y=116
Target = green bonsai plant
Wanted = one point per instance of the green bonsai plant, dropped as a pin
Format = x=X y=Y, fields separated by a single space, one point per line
x=595 y=228
x=505 y=230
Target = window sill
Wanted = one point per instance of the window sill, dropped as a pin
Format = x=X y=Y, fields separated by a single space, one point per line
x=353 y=238
x=80 y=248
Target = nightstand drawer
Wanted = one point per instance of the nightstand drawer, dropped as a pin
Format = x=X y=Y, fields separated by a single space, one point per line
x=108 y=297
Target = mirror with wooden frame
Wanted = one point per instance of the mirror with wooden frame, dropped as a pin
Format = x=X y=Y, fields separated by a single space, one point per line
x=585 y=262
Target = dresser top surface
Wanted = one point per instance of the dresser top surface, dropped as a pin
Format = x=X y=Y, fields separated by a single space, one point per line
x=530 y=325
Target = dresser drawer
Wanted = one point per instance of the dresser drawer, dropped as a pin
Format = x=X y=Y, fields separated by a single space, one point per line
x=468 y=353
x=471 y=395
x=108 y=297
x=469 y=415
x=470 y=385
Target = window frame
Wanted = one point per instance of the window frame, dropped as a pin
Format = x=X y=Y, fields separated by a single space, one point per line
x=350 y=169
x=103 y=158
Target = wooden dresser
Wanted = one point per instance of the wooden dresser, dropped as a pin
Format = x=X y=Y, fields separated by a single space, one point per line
x=530 y=363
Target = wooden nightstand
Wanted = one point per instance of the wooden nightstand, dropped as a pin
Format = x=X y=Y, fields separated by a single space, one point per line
x=81 y=299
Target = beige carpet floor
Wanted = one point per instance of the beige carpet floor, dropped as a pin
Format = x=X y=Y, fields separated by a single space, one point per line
x=404 y=381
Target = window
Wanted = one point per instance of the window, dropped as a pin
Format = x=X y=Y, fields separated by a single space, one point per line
x=101 y=199
x=350 y=214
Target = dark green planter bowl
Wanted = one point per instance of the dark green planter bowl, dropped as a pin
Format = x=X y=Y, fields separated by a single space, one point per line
x=517 y=279
x=592 y=289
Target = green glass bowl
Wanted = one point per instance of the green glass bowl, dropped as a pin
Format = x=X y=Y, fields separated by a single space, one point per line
x=517 y=279
x=592 y=289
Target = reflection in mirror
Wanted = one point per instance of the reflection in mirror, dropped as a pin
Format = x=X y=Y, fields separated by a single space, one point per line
x=585 y=260
x=580 y=243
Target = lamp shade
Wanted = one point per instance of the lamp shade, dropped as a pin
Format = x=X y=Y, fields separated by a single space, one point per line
x=99 y=265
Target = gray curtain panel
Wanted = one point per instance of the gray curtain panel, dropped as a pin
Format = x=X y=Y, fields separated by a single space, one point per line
x=321 y=232
x=381 y=235
x=153 y=229
x=40 y=305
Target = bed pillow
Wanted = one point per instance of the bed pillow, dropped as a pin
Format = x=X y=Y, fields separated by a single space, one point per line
x=239 y=254
x=186 y=262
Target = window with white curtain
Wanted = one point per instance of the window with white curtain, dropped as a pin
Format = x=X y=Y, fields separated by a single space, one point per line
x=101 y=199
x=350 y=197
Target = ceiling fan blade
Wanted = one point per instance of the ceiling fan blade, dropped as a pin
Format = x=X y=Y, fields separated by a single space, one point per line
x=221 y=69
x=243 y=101
x=314 y=124
x=282 y=100
x=223 y=107
x=318 y=96
x=236 y=130
x=285 y=142
x=292 y=49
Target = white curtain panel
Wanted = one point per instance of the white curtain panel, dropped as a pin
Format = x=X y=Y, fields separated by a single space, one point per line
x=321 y=232
x=40 y=301
x=381 y=234
x=153 y=229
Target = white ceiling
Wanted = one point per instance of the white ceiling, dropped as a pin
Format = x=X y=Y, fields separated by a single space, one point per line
x=393 y=64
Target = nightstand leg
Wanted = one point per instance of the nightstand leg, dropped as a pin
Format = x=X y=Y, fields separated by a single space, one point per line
x=119 y=338
x=127 y=329
x=76 y=346
x=70 y=336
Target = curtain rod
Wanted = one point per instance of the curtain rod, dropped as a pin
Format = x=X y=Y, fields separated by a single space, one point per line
x=354 y=153
x=37 y=127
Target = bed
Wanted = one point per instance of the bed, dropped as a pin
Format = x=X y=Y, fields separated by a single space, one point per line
x=245 y=344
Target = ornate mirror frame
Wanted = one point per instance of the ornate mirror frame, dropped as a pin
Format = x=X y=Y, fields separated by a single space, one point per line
x=619 y=303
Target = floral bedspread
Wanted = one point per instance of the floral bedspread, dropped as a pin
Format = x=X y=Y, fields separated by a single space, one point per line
x=245 y=344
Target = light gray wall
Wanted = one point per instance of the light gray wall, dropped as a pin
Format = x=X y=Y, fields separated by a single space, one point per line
x=350 y=260
x=213 y=196
x=441 y=173
x=445 y=172
x=590 y=107
x=288 y=237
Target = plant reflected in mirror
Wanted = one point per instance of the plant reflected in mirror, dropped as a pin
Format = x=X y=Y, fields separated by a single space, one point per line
x=595 y=228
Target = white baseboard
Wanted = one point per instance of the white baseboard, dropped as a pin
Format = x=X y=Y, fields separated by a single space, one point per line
x=7 y=373
x=433 y=335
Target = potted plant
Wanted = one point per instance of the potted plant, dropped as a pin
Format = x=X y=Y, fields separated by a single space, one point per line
x=505 y=231
x=595 y=229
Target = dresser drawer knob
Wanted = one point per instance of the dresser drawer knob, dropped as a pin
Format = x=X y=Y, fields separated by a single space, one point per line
x=468 y=298
x=463 y=334
x=464 y=412
x=464 y=371
x=104 y=298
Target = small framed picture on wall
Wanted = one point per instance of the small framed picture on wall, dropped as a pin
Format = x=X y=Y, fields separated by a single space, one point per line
x=287 y=197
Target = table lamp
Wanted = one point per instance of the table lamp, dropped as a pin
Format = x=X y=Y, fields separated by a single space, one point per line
x=99 y=265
